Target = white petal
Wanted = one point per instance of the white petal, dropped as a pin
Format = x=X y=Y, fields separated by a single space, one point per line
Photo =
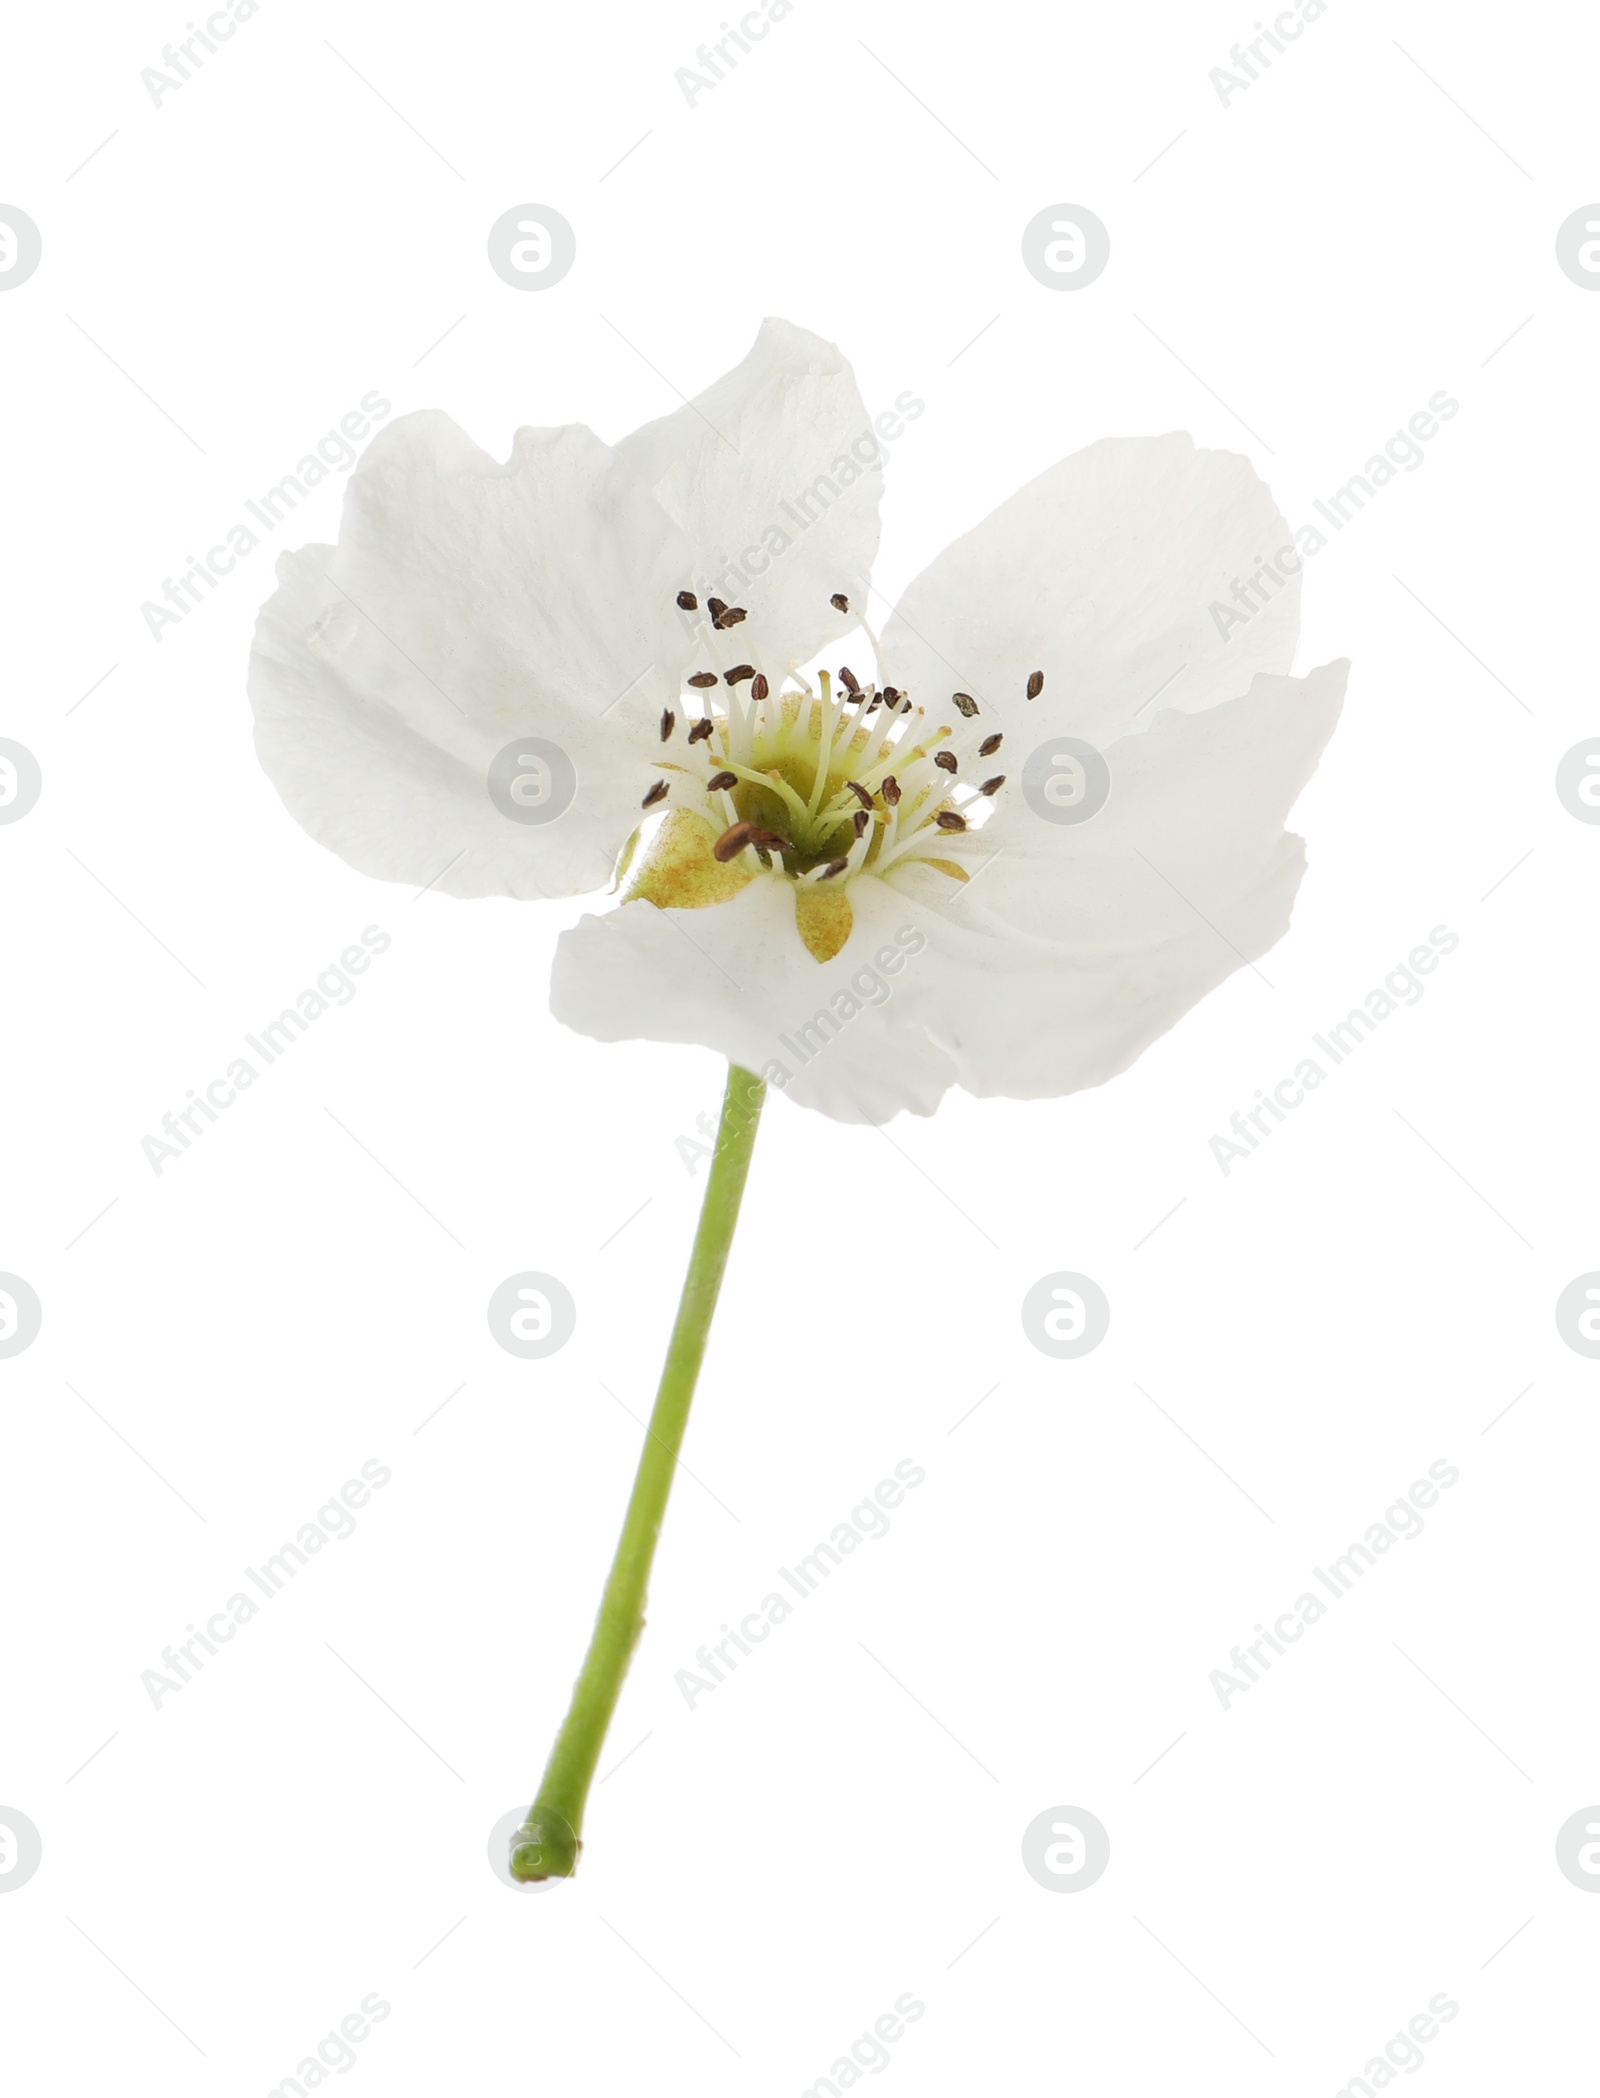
x=775 y=475
x=1103 y=573
x=1032 y=1033
x=737 y=978
x=469 y=604
x=1195 y=815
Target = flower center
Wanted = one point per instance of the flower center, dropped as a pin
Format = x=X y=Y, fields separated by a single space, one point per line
x=815 y=787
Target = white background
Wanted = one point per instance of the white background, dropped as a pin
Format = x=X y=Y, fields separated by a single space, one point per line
x=1291 y=1345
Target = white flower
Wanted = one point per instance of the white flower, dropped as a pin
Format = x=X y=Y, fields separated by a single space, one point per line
x=864 y=895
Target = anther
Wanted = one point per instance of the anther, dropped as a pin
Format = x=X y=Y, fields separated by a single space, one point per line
x=716 y=608
x=687 y=601
x=719 y=782
x=739 y=673
x=859 y=819
x=700 y=731
x=946 y=760
x=703 y=679
x=859 y=792
x=965 y=702
x=1035 y=684
x=730 y=615
x=739 y=835
x=891 y=694
x=847 y=678
x=669 y=722
x=839 y=601
x=949 y=819
x=891 y=791
x=993 y=786
x=833 y=867
x=988 y=747
x=760 y=688
x=658 y=792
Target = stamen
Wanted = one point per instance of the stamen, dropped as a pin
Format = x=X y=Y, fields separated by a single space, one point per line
x=719 y=782
x=950 y=819
x=966 y=703
x=703 y=680
x=730 y=616
x=833 y=867
x=699 y=731
x=847 y=678
x=658 y=792
x=739 y=835
x=716 y=608
x=859 y=792
x=891 y=791
x=839 y=601
x=946 y=759
x=993 y=786
x=739 y=672
x=859 y=819
x=988 y=747
x=669 y=722
x=1035 y=684
x=687 y=601
x=760 y=688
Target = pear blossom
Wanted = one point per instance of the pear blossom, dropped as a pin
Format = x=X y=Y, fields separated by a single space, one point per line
x=598 y=668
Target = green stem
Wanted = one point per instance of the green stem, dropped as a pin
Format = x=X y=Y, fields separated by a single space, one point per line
x=548 y=1843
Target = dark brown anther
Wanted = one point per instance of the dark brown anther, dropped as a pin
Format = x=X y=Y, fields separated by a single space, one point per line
x=739 y=835
x=839 y=601
x=716 y=608
x=874 y=702
x=699 y=731
x=891 y=791
x=946 y=760
x=703 y=679
x=905 y=706
x=859 y=792
x=965 y=702
x=948 y=819
x=658 y=792
x=993 y=786
x=760 y=688
x=833 y=867
x=669 y=722
x=687 y=601
x=847 y=678
x=739 y=673
x=719 y=782
x=891 y=694
x=859 y=819
x=1035 y=684
x=988 y=747
x=730 y=615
